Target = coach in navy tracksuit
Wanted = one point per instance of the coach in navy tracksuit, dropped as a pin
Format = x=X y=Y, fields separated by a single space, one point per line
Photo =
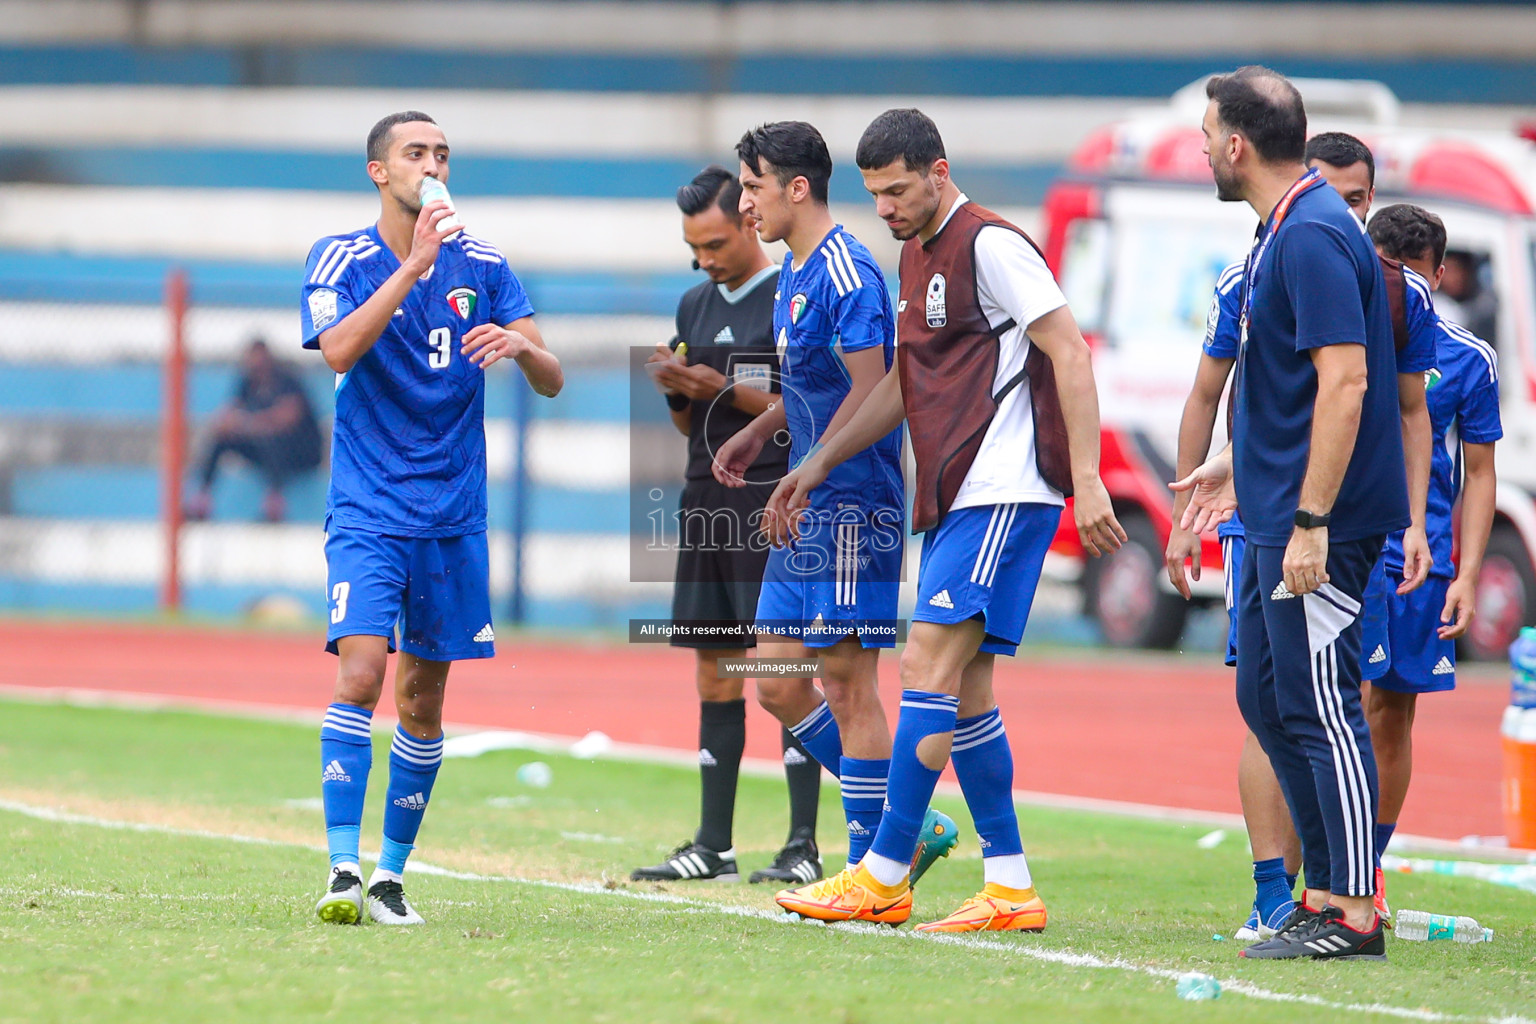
x=1317 y=460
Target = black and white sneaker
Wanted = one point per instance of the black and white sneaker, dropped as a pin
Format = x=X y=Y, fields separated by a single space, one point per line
x=1321 y=935
x=387 y=904
x=799 y=863
x=343 y=899
x=691 y=861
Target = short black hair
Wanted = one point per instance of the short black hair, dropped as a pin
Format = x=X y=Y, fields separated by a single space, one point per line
x=1341 y=150
x=378 y=135
x=1403 y=231
x=1264 y=107
x=714 y=184
x=795 y=149
x=904 y=132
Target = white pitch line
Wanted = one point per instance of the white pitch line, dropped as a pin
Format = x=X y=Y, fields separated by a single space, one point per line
x=383 y=724
x=1053 y=956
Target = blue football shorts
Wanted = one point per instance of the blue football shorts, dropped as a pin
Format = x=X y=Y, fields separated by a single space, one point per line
x=984 y=562
x=1420 y=662
x=433 y=592
x=840 y=578
x=1375 y=633
x=1232 y=547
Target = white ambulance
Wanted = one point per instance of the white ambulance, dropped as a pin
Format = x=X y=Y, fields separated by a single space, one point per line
x=1137 y=238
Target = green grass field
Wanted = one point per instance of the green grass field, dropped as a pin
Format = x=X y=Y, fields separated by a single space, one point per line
x=178 y=920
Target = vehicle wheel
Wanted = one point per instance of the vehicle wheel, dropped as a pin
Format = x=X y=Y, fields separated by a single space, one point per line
x=1506 y=597
x=1121 y=592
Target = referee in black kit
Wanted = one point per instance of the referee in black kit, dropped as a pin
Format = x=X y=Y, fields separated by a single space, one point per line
x=720 y=371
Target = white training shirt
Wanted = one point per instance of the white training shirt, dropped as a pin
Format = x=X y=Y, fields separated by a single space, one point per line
x=1012 y=283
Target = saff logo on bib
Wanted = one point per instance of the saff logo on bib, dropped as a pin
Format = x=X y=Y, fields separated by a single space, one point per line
x=937 y=316
x=797 y=307
x=462 y=302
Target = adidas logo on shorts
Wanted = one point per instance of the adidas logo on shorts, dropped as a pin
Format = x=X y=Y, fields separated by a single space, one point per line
x=334 y=772
x=1378 y=655
x=1443 y=667
x=414 y=802
x=486 y=634
x=706 y=759
x=941 y=600
x=1280 y=593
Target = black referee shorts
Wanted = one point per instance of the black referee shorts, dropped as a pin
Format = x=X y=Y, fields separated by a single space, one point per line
x=720 y=564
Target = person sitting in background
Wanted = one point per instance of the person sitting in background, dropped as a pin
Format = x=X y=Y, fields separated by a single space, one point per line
x=270 y=422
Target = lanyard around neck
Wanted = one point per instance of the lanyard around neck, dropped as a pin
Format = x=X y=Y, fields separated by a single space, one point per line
x=1267 y=235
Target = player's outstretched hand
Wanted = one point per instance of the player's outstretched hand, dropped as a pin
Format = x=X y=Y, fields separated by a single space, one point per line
x=1212 y=499
x=428 y=237
x=734 y=457
x=1460 y=606
x=487 y=343
x=1183 y=545
x=1094 y=514
x=790 y=499
x=1417 y=559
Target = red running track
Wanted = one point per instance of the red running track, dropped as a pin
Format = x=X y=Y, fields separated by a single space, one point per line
x=1152 y=730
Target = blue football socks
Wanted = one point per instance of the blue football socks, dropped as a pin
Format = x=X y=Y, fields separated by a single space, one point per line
x=923 y=714
x=413 y=765
x=984 y=765
x=818 y=734
x=346 y=754
x=863 y=784
x=1273 y=896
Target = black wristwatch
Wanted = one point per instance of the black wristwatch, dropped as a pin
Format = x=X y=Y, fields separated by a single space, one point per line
x=677 y=402
x=1312 y=520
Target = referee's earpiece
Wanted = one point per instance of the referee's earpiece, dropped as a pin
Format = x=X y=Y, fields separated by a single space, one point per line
x=695 y=264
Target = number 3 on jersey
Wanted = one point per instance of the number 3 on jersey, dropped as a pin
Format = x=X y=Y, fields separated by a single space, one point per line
x=439 y=347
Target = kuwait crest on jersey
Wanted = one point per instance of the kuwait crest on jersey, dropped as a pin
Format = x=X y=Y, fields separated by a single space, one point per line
x=797 y=306
x=462 y=302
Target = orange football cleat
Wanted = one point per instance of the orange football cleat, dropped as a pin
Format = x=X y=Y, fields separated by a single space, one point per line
x=1381 y=899
x=996 y=908
x=852 y=894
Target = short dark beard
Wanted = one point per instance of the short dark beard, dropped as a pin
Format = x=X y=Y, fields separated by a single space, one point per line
x=928 y=215
x=1229 y=188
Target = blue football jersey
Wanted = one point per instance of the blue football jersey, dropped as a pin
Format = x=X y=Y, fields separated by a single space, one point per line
x=1221 y=323
x=837 y=303
x=1419 y=355
x=1462 y=390
x=1222 y=335
x=408 y=445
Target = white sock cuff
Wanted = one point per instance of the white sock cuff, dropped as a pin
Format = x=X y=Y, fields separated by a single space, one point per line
x=1010 y=869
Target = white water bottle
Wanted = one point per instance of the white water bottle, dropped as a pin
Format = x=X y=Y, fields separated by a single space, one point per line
x=432 y=191
x=1420 y=926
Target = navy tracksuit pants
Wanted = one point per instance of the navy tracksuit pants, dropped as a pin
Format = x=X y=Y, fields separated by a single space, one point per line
x=1298 y=686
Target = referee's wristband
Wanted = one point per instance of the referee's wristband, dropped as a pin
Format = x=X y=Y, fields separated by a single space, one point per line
x=678 y=402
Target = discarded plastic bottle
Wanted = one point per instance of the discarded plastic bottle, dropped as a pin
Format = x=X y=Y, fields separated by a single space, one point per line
x=1195 y=985
x=1419 y=926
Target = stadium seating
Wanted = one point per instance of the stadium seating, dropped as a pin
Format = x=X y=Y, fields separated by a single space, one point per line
x=208 y=137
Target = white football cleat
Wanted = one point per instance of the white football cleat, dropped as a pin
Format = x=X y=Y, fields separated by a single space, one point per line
x=387 y=904
x=343 y=900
